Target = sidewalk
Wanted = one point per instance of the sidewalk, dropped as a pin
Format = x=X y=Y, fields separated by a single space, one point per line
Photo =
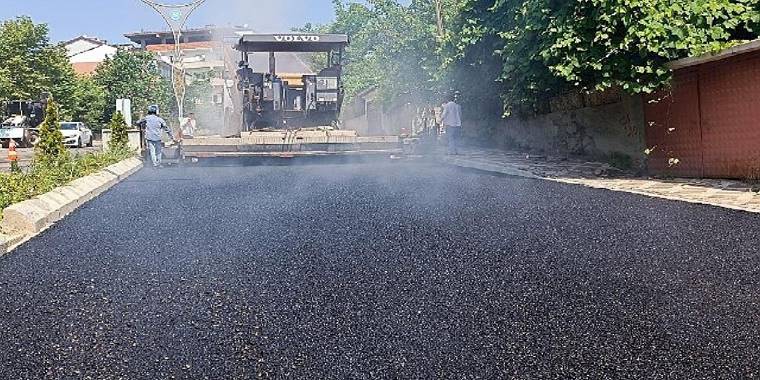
x=735 y=195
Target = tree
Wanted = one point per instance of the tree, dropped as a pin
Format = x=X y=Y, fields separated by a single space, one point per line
x=90 y=102
x=528 y=51
x=50 y=149
x=362 y=70
x=119 y=133
x=30 y=65
x=601 y=44
x=547 y=47
x=132 y=75
x=396 y=48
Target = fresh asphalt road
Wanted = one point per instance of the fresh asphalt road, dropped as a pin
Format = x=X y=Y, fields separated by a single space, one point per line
x=387 y=271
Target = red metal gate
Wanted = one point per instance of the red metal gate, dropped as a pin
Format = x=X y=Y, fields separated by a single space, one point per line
x=708 y=125
x=730 y=93
x=673 y=131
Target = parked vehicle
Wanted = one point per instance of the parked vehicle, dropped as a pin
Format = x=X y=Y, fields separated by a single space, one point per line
x=20 y=119
x=76 y=134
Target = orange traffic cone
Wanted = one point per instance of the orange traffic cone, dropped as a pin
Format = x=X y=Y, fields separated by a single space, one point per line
x=13 y=156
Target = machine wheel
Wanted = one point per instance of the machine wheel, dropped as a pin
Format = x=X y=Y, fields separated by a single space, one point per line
x=90 y=143
x=23 y=143
x=79 y=143
x=32 y=139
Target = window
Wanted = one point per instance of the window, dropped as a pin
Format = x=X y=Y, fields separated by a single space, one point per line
x=327 y=83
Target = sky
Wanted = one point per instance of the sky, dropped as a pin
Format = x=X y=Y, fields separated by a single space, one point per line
x=111 y=19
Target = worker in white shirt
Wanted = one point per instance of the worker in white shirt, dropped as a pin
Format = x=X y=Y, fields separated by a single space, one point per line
x=188 y=125
x=451 y=118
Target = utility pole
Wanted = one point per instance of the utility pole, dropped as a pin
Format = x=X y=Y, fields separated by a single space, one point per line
x=176 y=16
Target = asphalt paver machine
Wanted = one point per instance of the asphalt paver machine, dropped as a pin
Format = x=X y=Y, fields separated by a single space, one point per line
x=287 y=112
x=291 y=100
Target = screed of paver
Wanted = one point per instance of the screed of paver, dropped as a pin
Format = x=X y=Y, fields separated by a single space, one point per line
x=381 y=271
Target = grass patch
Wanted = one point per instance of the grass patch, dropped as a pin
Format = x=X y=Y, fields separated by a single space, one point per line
x=40 y=178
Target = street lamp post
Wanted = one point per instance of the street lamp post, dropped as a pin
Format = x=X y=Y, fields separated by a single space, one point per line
x=176 y=16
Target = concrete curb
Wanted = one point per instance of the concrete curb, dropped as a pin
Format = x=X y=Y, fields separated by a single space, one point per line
x=506 y=169
x=9 y=241
x=658 y=195
x=23 y=220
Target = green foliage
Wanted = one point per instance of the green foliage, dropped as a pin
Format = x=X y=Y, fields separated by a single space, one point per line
x=50 y=146
x=547 y=47
x=90 y=103
x=395 y=48
x=30 y=65
x=134 y=75
x=528 y=51
x=600 y=44
x=45 y=176
x=119 y=133
x=15 y=187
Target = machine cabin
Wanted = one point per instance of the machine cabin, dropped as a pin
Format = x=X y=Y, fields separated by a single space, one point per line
x=294 y=100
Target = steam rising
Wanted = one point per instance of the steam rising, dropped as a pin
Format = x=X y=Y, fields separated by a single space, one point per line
x=263 y=16
x=255 y=16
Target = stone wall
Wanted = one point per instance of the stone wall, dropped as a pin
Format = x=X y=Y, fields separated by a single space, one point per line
x=597 y=131
x=367 y=115
x=607 y=126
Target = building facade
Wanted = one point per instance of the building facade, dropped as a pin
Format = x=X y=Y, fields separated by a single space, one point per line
x=87 y=53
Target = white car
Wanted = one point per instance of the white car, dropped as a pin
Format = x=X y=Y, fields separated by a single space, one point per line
x=76 y=134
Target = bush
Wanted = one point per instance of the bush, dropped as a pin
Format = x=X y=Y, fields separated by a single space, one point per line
x=119 y=134
x=46 y=175
x=50 y=147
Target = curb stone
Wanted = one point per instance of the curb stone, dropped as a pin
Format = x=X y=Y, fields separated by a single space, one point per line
x=504 y=168
x=125 y=168
x=671 y=197
x=23 y=220
x=8 y=241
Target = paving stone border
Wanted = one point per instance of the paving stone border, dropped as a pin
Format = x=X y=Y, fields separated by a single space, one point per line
x=24 y=220
x=735 y=195
x=8 y=241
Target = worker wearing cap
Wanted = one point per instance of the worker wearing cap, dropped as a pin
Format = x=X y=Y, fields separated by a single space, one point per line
x=451 y=118
x=154 y=125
